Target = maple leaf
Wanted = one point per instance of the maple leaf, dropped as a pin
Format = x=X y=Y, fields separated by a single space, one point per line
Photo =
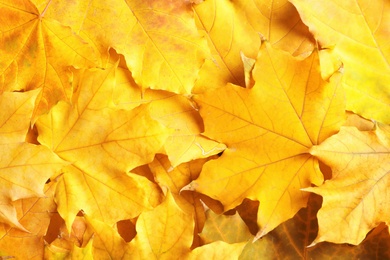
x=175 y=179
x=227 y=34
x=164 y=232
x=17 y=109
x=95 y=195
x=290 y=239
x=363 y=51
x=356 y=198
x=102 y=144
x=270 y=131
x=233 y=28
x=110 y=131
x=24 y=167
x=34 y=215
x=186 y=143
x=159 y=39
x=279 y=23
x=36 y=52
x=229 y=229
x=107 y=244
x=177 y=112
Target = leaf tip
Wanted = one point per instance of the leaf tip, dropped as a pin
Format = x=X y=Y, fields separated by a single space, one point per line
x=259 y=235
x=21 y=227
x=191 y=187
x=315 y=242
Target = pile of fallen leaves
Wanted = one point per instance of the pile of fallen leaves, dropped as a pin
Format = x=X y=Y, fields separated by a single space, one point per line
x=169 y=129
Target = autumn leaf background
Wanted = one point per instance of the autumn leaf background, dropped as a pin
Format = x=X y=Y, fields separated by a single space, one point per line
x=186 y=129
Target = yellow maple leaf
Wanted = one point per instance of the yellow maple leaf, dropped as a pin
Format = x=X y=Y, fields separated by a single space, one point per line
x=357 y=31
x=34 y=215
x=103 y=144
x=162 y=233
x=269 y=130
x=96 y=194
x=24 y=167
x=107 y=244
x=186 y=143
x=279 y=23
x=158 y=38
x=174 y=111
x=226 y=228
x=356 y=199
x=93 y=135
x=175 y=179
x=36 y=52
x=17 y=109
x=290 y=240
x=227 y=34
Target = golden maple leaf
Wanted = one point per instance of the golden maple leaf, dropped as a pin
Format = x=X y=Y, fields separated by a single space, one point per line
x=358 y=32
x=103 y=144
x=227 y=34
x=24 y=167
x=279 y=23
x=36 y=52
x=158 y=38
x=269 y=130
x=356 y=198
x=174 y=111
x=33 y=214
x=162 y=233
x=175 y=179
x=227 y=228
